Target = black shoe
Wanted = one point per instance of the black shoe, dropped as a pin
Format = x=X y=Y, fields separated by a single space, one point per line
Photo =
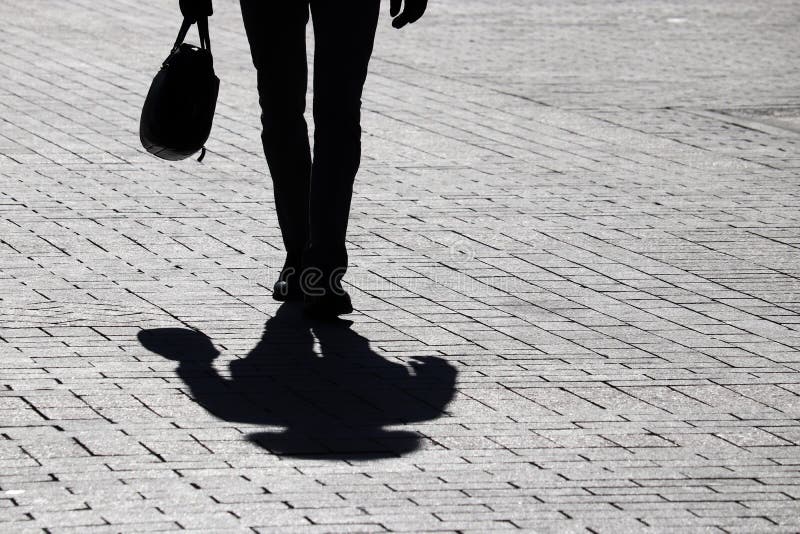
x=287 y=286
x=283 y=291
x=327 y=306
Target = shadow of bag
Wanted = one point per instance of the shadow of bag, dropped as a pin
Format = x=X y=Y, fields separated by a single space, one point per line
x=179 y=108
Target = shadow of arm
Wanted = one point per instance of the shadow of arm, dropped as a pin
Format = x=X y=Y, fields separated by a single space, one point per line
x=195 y=355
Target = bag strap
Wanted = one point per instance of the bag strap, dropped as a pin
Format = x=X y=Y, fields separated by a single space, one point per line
x=185 y=25
x=202 y=29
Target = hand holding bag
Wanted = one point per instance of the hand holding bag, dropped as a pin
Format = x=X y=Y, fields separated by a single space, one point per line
x=179 y=108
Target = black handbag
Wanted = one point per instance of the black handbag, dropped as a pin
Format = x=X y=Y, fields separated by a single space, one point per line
x=179 y=108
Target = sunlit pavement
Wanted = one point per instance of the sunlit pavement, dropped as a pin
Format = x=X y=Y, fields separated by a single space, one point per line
x=574 y=248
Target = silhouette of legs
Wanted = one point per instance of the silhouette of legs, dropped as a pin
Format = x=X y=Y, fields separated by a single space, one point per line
x=276 y=32
x=312 y=201
x=344 y=34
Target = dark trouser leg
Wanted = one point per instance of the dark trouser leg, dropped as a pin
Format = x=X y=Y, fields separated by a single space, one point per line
x=344 y=33
x=276 y=31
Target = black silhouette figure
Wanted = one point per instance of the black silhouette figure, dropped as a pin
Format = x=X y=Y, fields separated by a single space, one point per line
x=312 y=198
x=333 y=405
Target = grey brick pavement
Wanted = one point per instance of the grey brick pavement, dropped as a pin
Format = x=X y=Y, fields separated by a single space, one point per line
x=559 y=207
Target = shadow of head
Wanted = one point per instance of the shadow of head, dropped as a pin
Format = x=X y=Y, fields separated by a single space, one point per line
x=178 y=344
x=338 y=443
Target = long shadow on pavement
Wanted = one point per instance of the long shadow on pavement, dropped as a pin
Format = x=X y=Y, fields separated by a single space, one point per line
x=333 y=404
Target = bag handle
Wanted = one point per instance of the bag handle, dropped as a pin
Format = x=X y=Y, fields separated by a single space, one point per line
x=202 y=29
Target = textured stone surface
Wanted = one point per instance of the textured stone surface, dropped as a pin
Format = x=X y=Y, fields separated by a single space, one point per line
x=556 y=229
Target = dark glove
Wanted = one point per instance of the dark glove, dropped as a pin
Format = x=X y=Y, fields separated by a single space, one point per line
x=412 y=10
x=194 y=9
